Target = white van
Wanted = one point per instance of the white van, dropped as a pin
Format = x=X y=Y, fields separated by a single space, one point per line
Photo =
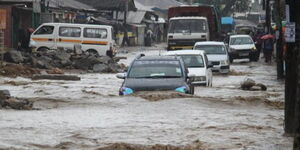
x=95 y=39
x=197 y=63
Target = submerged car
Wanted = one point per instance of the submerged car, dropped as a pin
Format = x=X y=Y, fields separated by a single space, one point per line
x=217 y=55
x=156 y=73
x=242 y=46
x=197 y=63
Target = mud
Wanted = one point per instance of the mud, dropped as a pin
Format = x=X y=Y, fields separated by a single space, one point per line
x=123 y=146
x=16 y=83
x=158 y=95
x=234 y=72
x=88 y=115
x=15 y=70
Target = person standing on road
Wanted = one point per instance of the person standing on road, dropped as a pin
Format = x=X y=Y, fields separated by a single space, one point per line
x=268 y=46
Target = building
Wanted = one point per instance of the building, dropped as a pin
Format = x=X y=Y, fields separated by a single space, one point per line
x=19 y=15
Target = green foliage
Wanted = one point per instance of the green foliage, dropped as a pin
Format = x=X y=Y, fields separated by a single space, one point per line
x=227 y=7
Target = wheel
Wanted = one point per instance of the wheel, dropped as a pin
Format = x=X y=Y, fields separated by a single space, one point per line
x=192 y=89
x=92 y=52
x=257 y=56
x=230 y=59
x=42 y=49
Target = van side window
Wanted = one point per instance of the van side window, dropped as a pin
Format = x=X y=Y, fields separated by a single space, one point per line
x=95 y=33
x=69 y=31
x=45 y=30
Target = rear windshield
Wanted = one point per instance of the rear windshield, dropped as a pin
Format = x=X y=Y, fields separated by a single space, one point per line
x=241 y=41
x=188 y=26
x=193 y=61
x=212 y=49
x=155 y=69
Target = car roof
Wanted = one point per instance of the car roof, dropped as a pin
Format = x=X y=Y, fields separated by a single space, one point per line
x=188 y=17
x=153 y=58
x=209 y=43
x=241 y=35
x=184 y=52
x=78 y=25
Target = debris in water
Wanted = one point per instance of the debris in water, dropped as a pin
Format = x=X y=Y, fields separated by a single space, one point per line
x=251 y=85
x=157 y=96
x=56 y=77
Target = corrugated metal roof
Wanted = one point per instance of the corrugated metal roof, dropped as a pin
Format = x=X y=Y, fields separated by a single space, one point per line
x=17 y=1
x=114 y=5
x=57 y=3
x=133 y=17
x=68 y=4
x=140 y=6
x=161 y=4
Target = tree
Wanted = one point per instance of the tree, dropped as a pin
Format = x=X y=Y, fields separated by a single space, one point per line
x=228 y=7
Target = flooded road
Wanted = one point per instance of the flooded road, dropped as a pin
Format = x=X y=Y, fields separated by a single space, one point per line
x=89 y=114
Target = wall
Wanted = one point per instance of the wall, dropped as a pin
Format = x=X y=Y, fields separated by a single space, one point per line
x=8 y=30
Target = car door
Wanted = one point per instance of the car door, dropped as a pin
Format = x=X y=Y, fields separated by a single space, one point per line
x=97 y=38
x=68 y=36
x=44 y=37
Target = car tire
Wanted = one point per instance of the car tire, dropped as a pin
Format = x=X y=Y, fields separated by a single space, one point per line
x=43 y=49
x=192 y=89
x=92 y=52
x=230 y=59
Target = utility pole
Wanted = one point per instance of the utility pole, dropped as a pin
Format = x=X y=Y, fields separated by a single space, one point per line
x=268 y=16
x=296 y=18
x=279 y=43
x=291 y=81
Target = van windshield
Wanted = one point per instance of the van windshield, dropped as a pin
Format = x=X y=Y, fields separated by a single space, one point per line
x=193 y=61
x=188 y=26
x=241 y=41
x=212 y=49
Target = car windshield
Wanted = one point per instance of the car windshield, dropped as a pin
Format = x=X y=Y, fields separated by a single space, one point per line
x=212 y=49
x=188 y=26
x=193 y=61
x=155 y=69
x=241 y=41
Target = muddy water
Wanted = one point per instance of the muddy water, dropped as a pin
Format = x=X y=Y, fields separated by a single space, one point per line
x=88 y=114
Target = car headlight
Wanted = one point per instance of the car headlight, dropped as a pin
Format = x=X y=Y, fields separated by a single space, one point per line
x=126 y=91
x=200 y=78
x=224 y=62
x=181 y=89
x=254 y=48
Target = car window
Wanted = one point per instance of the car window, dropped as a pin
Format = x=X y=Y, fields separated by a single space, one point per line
x=95 y=33
x=45 y=30
x=212 y=49
x=241 y=41
x=70 y=31
x=156 y=69
x=193 y=61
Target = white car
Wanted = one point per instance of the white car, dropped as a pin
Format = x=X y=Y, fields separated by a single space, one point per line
x=217 y=54
x=242 y=46
x=197 y=63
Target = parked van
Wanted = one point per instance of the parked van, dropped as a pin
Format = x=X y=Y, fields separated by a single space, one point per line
x=95 y=39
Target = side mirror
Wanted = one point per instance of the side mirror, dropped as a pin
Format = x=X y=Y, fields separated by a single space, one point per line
x=210 y=65
x=121 y=75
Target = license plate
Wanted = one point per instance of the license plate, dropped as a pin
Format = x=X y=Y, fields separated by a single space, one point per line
x=243 y=54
